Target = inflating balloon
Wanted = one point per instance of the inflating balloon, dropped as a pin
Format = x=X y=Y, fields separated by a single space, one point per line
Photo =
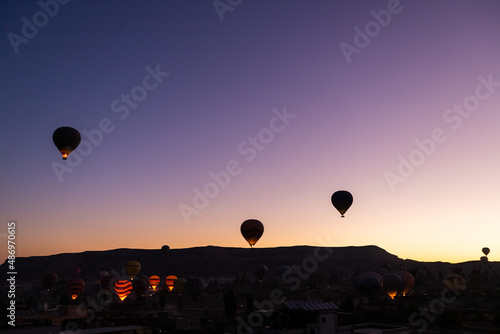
x=252 y=230
x=154 y=281
x=169 y=281
x=342 y=201
x=66 y=140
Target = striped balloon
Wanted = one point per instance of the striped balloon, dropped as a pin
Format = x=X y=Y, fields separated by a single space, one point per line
x=123 y=288
x=169 y=281
x=154 y=281
x=260 y=271
x=75 y=287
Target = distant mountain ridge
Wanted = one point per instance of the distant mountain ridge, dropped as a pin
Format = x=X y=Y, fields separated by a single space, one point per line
x=214 y=261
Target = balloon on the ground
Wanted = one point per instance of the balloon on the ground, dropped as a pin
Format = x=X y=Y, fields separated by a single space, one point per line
x=252 y=230
x=140 y=285
x=409 y=281
x=66 y=140
x=342 y=201
x=393 y=284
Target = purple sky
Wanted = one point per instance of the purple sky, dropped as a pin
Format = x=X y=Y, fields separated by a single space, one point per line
x=285 y=101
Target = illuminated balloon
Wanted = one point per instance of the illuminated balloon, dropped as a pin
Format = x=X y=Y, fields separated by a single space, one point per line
x=180 y=285
x=75 y=287
x=342 y=201
x=49 y=280
x=260 y=271
x=154 y=281
x=140 y=285
x=123 y=289
x=393 y=284
x=252 y=230
x=66 y=140
x=165 y=249
x=409 y=281
x=132 y=268
x=195 y=287
x=169 y=281
x=486 y=251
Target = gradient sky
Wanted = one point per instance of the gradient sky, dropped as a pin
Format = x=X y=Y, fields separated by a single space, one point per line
x=353 y=116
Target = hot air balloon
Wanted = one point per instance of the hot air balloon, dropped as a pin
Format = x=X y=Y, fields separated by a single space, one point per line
x=108 y=282
x=342 y=201
x=165 y=249
x=180 y=285
x=393 y=284
x=154 y=281
x=486 y=251
x=169 y=281
x=132 y=268
x=140 y=285
x=75 y=287
x=123 y=289
x=368 y=284
x=66 y=140
x=252 y=230
x=49 y=280
x=409 y=281
x=260 y=271
x=103 y=274
x=195 y=287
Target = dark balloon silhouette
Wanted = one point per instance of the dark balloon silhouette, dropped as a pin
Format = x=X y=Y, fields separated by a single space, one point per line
x=342 y=201
x=49 y=280
x=486 y=251
x=260 y=271
x=393 y=284
x=132 y=268
x=107 y=282
x=165 y=249
x=75 y=287
x=140 y=285
x=180 y=285
x=409 y=281
x=252 y=230
x=369 y=284
x=195 y=287
x=66 y=140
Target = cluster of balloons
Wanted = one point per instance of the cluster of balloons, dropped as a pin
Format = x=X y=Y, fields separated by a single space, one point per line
x=371 y=284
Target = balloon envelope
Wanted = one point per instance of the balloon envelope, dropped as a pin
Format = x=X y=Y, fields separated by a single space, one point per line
x=66 y=140
x=393 y=283
x=486 y=251
x=165 y=249
x=342 y=201
x=252 y=230
x=75 y=287
x=154 y=281
x=140 y=285
x=195 y=287
x=123 y=288
x=180 y=285
x=49 y=280
x=132 y=268
x=169 y=281
x=260 y=271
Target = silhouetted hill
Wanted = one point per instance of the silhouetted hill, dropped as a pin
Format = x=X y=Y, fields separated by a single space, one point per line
x=342 y=263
